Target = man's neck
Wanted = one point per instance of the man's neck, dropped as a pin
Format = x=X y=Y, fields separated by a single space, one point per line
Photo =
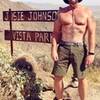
x=74 y=6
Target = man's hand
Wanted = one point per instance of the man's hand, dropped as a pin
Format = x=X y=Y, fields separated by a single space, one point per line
x=54 y=55
x=89 y=59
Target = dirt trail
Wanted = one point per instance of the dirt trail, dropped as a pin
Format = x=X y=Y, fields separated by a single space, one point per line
x=93 y=93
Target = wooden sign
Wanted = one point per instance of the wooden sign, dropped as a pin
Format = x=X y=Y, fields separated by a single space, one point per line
x=36 y=15
x=28 y=36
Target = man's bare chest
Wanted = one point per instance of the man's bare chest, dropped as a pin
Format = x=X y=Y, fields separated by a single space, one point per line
x=73 y=17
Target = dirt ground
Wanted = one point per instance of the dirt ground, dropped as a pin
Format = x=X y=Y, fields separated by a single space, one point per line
x=93 y=93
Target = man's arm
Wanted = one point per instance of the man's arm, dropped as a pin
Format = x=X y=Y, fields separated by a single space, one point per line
x=91 y=27
x=55 y=37
x=91 y=33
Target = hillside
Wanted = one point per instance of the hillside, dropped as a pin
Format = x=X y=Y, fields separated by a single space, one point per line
x=26 y=75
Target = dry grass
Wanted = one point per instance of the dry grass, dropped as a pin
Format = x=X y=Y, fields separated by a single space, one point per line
x=94 y=75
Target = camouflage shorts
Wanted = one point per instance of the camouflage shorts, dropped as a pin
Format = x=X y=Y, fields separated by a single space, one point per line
x=70 y=53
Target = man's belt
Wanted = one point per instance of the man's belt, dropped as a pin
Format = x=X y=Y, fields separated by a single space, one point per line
x=71 y=43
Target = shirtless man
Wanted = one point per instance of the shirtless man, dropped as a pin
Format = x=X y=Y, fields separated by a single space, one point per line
x=71 y=26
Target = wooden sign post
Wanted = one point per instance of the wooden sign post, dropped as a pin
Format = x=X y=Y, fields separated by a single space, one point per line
x=28 y=36
x=10 y=22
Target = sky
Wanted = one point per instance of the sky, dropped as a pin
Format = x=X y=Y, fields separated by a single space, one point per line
x=86 y=2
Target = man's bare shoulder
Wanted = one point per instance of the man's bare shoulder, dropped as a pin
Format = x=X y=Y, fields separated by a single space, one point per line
x=87 y=10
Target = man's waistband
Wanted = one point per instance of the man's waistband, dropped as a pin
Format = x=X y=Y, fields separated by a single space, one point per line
x=71 y=43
